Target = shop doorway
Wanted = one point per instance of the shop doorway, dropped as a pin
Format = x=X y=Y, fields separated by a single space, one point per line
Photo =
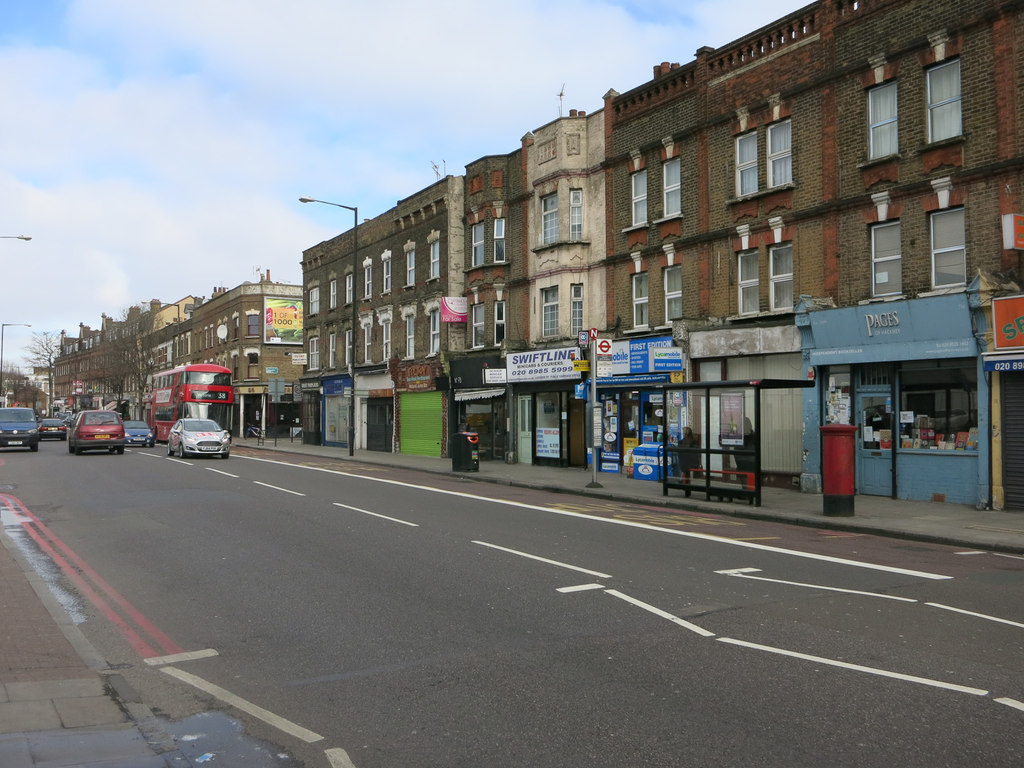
x=1013 y=441
x=380 y=424
x=876 y=420
x=524 y=428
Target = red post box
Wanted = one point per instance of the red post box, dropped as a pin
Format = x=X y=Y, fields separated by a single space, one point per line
x=838 y=442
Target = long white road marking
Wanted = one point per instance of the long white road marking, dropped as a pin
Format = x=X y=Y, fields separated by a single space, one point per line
x=856 y=667
x=278 y=488
x=238 y=702
x=744 y=573
x=595 y=574
x=976 y=615
x=221 y=472
x=1012 y=703
x=174 y=658
x=338 y=758
x=579 y=588
x=658 y=612
x=376 y=514
x=614 y=521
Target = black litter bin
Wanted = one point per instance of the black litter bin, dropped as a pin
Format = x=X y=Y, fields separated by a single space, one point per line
x=465 y=453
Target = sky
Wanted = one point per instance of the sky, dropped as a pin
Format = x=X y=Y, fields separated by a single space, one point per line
x=155 y=149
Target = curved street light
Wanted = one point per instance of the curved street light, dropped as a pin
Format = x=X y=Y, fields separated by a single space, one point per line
x=355 y=318
x=3 y=327
x=15 y=237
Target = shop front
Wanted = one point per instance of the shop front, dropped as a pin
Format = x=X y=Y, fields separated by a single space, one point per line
x=634 y=409
x=550 y=421
x=1004 y=364
x=480 y=397
x=337 y=391
x=908 y=375
x=422 y=400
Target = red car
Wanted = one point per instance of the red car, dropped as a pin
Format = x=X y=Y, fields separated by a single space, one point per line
x=53 y=429
x=96 y=430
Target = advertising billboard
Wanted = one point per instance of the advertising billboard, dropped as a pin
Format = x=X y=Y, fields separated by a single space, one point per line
x=282 y=321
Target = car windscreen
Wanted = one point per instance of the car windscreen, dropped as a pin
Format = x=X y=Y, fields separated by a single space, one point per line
x=201 y=425
x=19 y=415
x=136 y=425
x=100 y=418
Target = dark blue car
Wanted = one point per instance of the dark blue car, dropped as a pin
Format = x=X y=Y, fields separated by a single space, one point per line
x=139 y=433
x=18 y=428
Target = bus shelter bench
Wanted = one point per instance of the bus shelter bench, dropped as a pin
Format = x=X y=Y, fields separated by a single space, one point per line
x=746 y=479
x=724 y=492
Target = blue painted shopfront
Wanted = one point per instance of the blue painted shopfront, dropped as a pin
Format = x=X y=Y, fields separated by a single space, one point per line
x=909 y=375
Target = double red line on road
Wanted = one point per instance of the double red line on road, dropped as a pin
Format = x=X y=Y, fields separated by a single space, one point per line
x=129 y=621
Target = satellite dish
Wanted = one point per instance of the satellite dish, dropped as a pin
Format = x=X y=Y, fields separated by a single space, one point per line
x=222 y=331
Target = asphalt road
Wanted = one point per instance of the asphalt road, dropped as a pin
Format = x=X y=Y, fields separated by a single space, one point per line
x=376 y=617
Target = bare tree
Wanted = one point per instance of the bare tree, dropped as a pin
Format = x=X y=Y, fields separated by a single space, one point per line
x=129 y=360
x=41 y=353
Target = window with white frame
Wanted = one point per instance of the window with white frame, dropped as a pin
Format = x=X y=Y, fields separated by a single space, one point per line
x=549 y=218
x=780 y=153
x=333 y=298
x=944 y=120
x=638 y=182
x=478 y=244
x=367 y=343
x=350 y=354
x=575 y=214
x=314 y=353
x=673 y=292
x=641 y=294
x=883 y=138
x=575 y=309
x=780 y=261
x=410 y=336
x=435 y=259
x=748 y=283
x=886 y=259
x=385 y=339
x=549 y=310
x=435 y=331
x=332 y=349
x=499 y=241
x=746 y=164
x=673 y=187
x=386 y=267
x=949 y=254
x=349 y=288
x=476 y=320
x=368 y=280
x=499 y=322
x=314 y=300
x=410 y=267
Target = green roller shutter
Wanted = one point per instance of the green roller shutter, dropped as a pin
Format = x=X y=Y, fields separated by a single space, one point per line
x=421 y=423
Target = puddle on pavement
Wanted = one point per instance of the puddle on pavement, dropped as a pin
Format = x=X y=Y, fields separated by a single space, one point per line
x=213 y=738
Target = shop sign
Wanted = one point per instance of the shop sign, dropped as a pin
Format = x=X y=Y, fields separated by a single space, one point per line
x=542 y=365
x=1008 y=322
x=633 y=356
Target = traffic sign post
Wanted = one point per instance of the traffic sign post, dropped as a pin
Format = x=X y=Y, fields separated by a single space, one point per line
x=595 y=424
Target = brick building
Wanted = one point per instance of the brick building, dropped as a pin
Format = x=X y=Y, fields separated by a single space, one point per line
x=409 y=264
x=847 y=168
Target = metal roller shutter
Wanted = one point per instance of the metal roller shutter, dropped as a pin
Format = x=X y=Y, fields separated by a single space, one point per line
x=421 y=423
x=1013 y=441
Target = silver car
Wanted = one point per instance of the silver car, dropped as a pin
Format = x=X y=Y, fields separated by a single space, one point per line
x=198 y=437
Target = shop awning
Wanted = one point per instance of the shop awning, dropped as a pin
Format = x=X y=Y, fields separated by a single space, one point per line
x=478 y=394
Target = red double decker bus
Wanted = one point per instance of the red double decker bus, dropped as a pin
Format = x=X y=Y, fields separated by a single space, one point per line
x=191 y=392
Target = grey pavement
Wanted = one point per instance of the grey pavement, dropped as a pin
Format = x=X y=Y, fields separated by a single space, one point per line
x=62 y=707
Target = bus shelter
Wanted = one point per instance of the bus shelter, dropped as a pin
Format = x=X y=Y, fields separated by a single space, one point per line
x=717 y=450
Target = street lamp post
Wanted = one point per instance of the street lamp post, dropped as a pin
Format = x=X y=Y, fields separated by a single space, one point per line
x=3 y=327
x=355 y=319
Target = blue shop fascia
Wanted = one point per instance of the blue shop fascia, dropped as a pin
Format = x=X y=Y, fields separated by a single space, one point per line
x=909 y=375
